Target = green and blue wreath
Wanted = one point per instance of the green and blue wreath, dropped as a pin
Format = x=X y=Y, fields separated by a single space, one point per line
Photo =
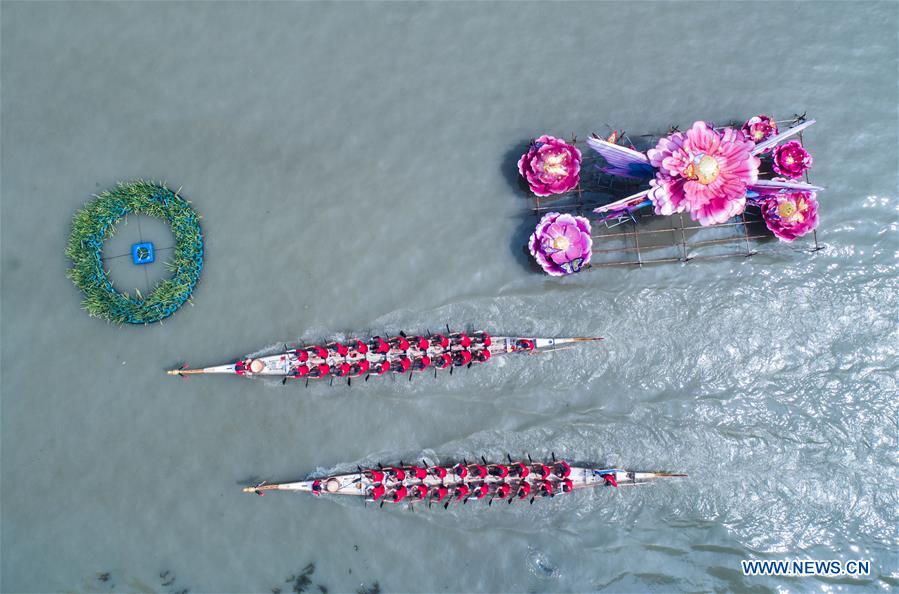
x=96 y=222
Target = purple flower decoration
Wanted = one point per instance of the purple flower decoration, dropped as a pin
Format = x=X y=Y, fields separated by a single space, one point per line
x=791 y=159
x=703 y=171
x=561 y=243
x=759 y=128
x=551 y=166
x=790 y=214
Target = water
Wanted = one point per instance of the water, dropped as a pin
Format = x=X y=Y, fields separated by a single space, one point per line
x=354 y=165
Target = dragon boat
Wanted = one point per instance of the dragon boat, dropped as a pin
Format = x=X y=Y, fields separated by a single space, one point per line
x=463 y=482
x=377 y=356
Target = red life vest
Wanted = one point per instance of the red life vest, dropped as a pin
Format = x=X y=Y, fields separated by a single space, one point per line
x=361 y=347
x=479 y=471
x=543 y=470
x=301 y=371
x=378 y=491
x=499 y=470
x=524 y=489
x=440 y=340
x=567 y=486
x=381 y=346
x=323 y=370
x=462 y=358
x=485 y=338
x=525 y=345
x=547 y=488
x=364 y=366
x=480 y=491
x=441 y=492
x=419 y=472
x=400 y=343
x=397 y=474
x=563 y=469
x=318 y=351
x=461 y=492
x=399 y=494
x=464 y=340
x=482 y=356
x=382 y=367
x=438 y=471
x=443 y=361
x=503 y=490
x=610 y=479
x=521 y=469
x=402 y=365
x=421 y=342
x=460 y=470
x=419 y=491
x=422 y=363
x=240 y=368
x=316 y=487
x=342 y=370
x=338 y=348
x=302 y=355
x=376 y=476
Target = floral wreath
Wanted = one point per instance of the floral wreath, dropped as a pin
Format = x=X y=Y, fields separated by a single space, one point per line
x=95 y=223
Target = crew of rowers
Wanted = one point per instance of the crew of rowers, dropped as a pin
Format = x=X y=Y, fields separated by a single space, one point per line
x=516 y=480
x=400 y=354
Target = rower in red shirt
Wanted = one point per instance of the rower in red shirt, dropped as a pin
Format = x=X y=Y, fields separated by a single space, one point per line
x=341 y=370
x=542 y=470
x=443 y=361
x=524 y=489
x=396 y=474
x=461 y=358
x=340 y=349
x=498 y=470
x=400 y=343
x=439 y=493
x=609 y=479
x=523 y=344
x=379 y=345
x=320 y=352
x=460 y=470
x=562 y=469
x=382 y=367
x=503 y=490
x=375 y=476
x=421 y=343
x=360 y=347
x=461 y=492
x=418 y=472
x=480 y=491
x=377 y=491
x=398 y=494
x=438 y=471
x=545 y=488
x=520 y=469
x=360 y=368
x=482 y=338
x=419 y=492
x=567 y=485
x=402 y=365
x=320 y=370
x=439 y=340
x=302 y=355
x=462 y=340
x=300 y=371
x=421 y=363
x=240 y=368
x=478 y=470
x=316 y=487
x=482 y=356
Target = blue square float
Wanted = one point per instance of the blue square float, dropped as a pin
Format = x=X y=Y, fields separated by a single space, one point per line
x=143 y=253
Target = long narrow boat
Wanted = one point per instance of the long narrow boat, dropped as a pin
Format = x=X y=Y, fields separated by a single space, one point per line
x=464 y=482
x=399 y=354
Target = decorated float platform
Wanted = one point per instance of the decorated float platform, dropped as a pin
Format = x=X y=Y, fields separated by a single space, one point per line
x=608 y=200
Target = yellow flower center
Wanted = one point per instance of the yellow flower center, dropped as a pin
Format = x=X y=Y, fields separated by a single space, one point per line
x=555 y=165
x=785 y=210
x=707 y=170
x=561 y=243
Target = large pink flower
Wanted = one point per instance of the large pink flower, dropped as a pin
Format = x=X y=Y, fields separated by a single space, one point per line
x=561 y=243
x=759 y=128
x=791 y=159
x=703 y=171
x=790 y=214
x=551 y=166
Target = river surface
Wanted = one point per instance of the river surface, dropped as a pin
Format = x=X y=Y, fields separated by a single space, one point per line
x=354 y=165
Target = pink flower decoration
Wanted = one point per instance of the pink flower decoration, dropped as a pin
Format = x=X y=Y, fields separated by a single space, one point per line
x=561 y=243
x=790 y=214
x=759 y=128
x=703 y=171
x=791 y=159
x=551 y=166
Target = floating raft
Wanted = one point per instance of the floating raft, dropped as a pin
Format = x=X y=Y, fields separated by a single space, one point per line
x=642 y=238
x=464 y=482
x=377 y=356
